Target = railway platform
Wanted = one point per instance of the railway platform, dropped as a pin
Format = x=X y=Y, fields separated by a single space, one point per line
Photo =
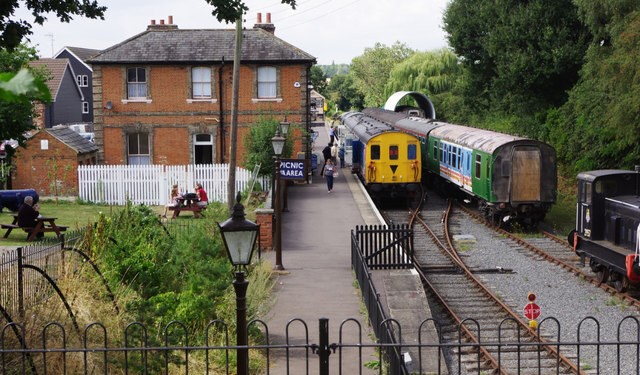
x=318 y=282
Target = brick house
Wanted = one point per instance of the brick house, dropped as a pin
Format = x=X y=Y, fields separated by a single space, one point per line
x=164 y=96
x=51 y=157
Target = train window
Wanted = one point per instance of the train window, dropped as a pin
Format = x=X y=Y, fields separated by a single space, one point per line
x=442 y=152
x=458 y=157
x=606 y=187
x=587 y=193
x=412 y=153
x=435 y=150
x=393 y=152
x=478 y=165
x=375 y=152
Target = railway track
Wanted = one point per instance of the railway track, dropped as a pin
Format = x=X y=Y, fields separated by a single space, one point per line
x=468 y=307
x=555 y=250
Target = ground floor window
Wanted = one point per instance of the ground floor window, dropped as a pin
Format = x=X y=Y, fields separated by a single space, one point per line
x=203 y=149
x=138 y=149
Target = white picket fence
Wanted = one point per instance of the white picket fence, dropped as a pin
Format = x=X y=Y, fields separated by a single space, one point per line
x=151 y=184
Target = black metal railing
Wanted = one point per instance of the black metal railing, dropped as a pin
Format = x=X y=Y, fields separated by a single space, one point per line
x=60 y=350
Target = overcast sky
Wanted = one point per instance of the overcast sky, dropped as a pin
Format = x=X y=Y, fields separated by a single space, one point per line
x=331 y=30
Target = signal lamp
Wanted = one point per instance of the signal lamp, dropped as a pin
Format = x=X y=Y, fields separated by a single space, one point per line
x=531 y=297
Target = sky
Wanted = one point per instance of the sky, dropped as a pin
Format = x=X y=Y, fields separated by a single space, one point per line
x=334 y=31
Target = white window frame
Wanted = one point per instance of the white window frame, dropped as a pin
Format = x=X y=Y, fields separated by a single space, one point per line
x=267 y=82
x=201 y=83
x=137 y=87
x=138 y=158
x=83 y=80
x=85 y=107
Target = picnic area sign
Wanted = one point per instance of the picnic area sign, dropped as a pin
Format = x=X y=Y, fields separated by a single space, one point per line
x=293 y=169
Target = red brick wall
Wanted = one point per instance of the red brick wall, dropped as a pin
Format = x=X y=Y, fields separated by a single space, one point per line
x=34 y=166
x=173 y=121
x=264 y=218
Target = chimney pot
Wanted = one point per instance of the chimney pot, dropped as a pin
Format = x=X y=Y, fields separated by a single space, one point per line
x=153 y=22
x=259 y=17
x=170 y=20
x=269 y=17
x=162 y=22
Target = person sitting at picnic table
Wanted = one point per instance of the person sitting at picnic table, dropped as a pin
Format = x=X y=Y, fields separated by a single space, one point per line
x=203 y=200
x=174 y=199
x=28 y=215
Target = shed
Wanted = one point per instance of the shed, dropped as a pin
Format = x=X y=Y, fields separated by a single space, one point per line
x=49 y=161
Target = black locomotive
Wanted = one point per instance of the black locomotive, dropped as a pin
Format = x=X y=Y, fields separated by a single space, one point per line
x=607 y=225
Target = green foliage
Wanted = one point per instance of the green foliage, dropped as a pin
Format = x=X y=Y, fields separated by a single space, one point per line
x=259 y=149
x=181 y=276
x=333 y=69
x=342 y=92
x=318 y=80
x=18 y=88
x=522 y=57
x=230 y=10
x=370 y=71
x=432 y=73
x=599 y=125
x=13 y=30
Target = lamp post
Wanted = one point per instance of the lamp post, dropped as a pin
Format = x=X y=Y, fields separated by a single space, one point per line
x=239 y=237
x=278 y=144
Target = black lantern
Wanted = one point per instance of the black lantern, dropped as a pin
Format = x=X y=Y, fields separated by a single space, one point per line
x=239 y=235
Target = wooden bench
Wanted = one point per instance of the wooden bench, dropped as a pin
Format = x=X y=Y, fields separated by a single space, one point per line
x=29 y=230
x=10 y=227
x=197 y=210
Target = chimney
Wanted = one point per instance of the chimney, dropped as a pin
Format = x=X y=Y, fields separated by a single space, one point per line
x=161 y=25
x=268 y=26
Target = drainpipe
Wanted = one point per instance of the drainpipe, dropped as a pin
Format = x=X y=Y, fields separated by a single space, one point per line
x=220 y=100
x=307 y=117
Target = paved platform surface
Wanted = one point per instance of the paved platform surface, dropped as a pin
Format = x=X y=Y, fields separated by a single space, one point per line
x=318 y=281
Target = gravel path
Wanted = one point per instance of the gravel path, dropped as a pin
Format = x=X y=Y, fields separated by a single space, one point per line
x=560 y=295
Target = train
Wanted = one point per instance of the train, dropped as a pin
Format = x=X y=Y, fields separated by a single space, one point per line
x=512 y=178
x=386 y=160
x=608 y=225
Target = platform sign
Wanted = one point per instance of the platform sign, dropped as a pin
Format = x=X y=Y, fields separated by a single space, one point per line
x=531 y=311
x=293 y=169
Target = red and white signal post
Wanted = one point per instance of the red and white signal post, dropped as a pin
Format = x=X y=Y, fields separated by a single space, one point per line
x=532 y=310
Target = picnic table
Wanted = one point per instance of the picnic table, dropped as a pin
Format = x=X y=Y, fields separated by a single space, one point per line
x=187 y=204
x=43 y=224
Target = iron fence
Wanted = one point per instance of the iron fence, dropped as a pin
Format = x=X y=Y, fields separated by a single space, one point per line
x=57 y=349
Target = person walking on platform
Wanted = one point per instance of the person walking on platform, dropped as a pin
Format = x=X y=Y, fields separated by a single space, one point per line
x=329 y=172
x=341 y=155
x=332 y=134
x=334 y=153
x=326 y=153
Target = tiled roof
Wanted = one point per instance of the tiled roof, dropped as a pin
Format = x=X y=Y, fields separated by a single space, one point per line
x=83 y=53
x=204 y=45
x=56 y=67
x=72 y=139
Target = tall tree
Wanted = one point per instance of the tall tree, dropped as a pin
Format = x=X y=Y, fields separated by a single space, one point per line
x=432 y=72
x=370 y=71
x=318 y=79
x=342 y=93
x=522 y=56
x=18 y=89
x=13 y=30
x=599 y=126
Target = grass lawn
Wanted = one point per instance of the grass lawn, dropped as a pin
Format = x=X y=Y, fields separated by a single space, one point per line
x=72 y=214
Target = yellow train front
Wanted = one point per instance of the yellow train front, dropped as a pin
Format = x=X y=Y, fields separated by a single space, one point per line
x=386 y=160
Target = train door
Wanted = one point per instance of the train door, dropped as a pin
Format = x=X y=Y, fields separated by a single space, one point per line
x=525 y=175
x=466 y=169
x=583 y=209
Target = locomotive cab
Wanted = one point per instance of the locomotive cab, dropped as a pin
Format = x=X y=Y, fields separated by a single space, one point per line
x=607 y=219
x=593 y=190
